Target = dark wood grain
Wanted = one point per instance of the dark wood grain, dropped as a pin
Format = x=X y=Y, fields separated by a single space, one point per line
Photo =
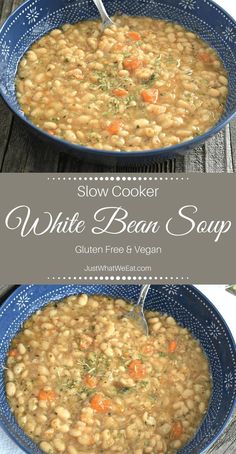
x=233 y=143
x=227 y=442
x=21 y=151
x=23 y=156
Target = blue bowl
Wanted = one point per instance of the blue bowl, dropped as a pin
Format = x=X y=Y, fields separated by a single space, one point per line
x=36 y=17
x=189 y=307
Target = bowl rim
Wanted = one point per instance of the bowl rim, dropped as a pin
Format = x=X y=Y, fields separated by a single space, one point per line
x=201 y=294
x=149 y=153
x=229 y=333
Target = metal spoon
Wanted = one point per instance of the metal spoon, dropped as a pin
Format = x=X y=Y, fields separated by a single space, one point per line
x=137 y=313
x=106 y=21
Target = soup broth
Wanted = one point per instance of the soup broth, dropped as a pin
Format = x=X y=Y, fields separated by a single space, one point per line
x=81 y=377
x=141 y=84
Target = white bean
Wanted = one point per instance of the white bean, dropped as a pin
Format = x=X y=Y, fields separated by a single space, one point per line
x=10 y=389
x=59 y=445
x=141 y=122
x=18 y=368
x=83 y=300
x=21 y=349
x=62 y=412
x=46 y=447
x=31 y=55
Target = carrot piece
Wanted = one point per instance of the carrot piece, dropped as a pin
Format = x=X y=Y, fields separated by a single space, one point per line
x=136 y=369
x=46 y=395
x=90 y=381
x=134 y=36
x=150 y=96
x=132 y=63
x=50 y=131
x=177 y=430
x=86 y=342
x=172 y=346
x=119 y=46
x=114 y=127
x=100 y=404
x=148 y=349
x=12 y=353
x=205 y=57
x=120 y=92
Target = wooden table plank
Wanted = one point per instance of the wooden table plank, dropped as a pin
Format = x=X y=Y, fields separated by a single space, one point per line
x=226 y=444
x=228 y=149
x=233 y=142
x=215 y=158
x=32 y=158
x=194 y=161
x=6 y=9
x=5 y=130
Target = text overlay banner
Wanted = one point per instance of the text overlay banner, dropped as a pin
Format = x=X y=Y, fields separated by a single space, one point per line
x=117 y=228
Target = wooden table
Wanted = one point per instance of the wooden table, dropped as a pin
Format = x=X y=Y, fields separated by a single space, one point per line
x=226 y=444
x=20 y=151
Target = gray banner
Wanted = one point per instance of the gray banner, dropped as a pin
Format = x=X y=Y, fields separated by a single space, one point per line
x=117 y=228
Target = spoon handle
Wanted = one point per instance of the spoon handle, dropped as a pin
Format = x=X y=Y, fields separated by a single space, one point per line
x=143 y=294
x=101 y=8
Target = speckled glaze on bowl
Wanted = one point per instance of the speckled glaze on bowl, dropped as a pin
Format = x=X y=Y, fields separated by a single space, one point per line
x=189 y=307
x=36 y=17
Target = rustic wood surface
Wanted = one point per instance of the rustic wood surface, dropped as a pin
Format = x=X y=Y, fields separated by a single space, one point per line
x=20 y=151
x=226 y=444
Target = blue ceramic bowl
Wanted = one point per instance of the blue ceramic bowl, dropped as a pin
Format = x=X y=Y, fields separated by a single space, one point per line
x=189 y=307
x=36 y=17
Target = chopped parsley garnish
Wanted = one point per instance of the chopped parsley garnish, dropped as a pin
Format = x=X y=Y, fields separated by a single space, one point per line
x=104 y=81
x=144 y=383
x=114 y=104
x=123 y=389
x=130 y=99
x=97 y=365
x=151 y=79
